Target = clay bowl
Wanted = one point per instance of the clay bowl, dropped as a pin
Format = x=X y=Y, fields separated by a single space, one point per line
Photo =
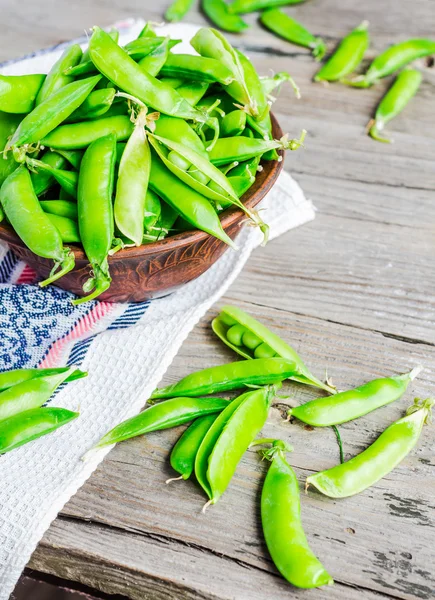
x=159 y=268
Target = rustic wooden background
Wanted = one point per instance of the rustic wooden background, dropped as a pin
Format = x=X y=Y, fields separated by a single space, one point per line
x=354 y=292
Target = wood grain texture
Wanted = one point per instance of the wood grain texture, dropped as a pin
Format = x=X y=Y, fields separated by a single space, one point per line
x=354 y=292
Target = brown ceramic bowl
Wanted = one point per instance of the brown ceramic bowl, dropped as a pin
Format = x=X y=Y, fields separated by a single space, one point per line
x=155 y=269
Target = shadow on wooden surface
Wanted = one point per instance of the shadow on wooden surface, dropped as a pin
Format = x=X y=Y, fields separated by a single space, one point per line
x=35 y=586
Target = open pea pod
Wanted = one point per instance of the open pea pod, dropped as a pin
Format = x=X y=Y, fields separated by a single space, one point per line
x=197 y=164
x=251 y=339
x=180 y=131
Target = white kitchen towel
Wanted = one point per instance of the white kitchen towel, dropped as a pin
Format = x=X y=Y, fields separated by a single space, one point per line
x=125 y=348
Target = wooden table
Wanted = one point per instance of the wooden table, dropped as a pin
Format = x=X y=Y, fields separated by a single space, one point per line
x=353 y=291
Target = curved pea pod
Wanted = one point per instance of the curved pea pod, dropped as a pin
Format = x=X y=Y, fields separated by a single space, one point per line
x=184 y=452
x=68 y=228
x=96 y=105
x=66 y=179
x=42 y=179
x=248 y=337
x=61 y=208
x=163 y=415
x=191 y=205
x=197 y=68
x=114 y=34
x=393 y=59
x=80 y=135
x=379 y=459
x=256 y=92
x=56 y=78
x=395 y=100
x=16 y=376
x=51 y=112
x=8 y=124
x=346 y=406
x=178 y=9
x=153 y=210
x=282 y=526
x=247 y=6
x=74 y=157
x=18 y=92
x=233 y=123
x=132 y=184
x=32 y=225
x=348 y=55
x=178 y=130
x=232 y=376
x=284 y=26
x=228 y=439
x=32 y=424
x=212 y=44
x=95 y=212
x=118 y=67
x=155 y=60
x=184 y=163
x=241 y=148
x=217 y=11
x=33 y=392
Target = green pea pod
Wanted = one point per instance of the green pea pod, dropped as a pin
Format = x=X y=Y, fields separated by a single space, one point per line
x=282 y=525
x=8 y=124
x=379 y=459
x=241 y=148
x=80 y=135
x=281 y=24
x=393 y=59
x=247 y=6
x=96 y=105
x=178 y=130
x=178 y=9
x=95 y=211
x=16 y=376
x=154 y=61
x=231 y=435
x=42 y=179
x=132 y=184
x=74 y=157
x=32 y=393
x=346 y=406
x=56 y=78
x=18 y=92
x=32 y=225
x=197 y=68
x=217 y=11
x=395 y=100
x=191 y=205
x=118 y=67
x=245 y=335
x=212 y=44
x=256 y=92
x=52 y=111
x=66 y=179
x=68 y=228
x=242 y=180
x=348 y=55
x=163 y=415
x=114 y=34
x=61 y=208
x=233 y=123
x=164 y=224
x=184 y=452
x=193 y=91
x=21 y=429
x=147 y=31
x=232 y=376
x=152 y=212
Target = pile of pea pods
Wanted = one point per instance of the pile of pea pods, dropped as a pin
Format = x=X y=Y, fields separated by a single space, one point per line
x=343 y=62
x=221 y=430
x=122 y=146
x=23 y=392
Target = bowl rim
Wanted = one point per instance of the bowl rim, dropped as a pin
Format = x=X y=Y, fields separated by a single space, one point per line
x=228 y=217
